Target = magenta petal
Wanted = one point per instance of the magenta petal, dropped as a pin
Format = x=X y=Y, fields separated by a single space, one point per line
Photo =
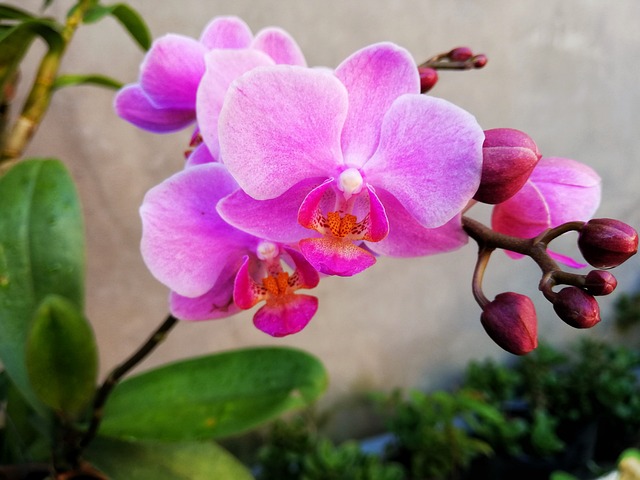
x=334 y=256
x=286 y=318
x=200 y=156
x=222 y=68
x=226 y=32
x=280 y=46
x=307 y=276
x=275 y=219
x=171 y=71
x=375 y=77
x=134 y=106
x=185 y=243
x=524 y=215
x=280 y=125
x=429 y=158
x=378 y=220
x=407 y=238
x=246 y=292
x=310 y=212
x=216 y=303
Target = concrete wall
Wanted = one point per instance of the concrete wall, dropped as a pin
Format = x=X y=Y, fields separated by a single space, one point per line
x=565 y=71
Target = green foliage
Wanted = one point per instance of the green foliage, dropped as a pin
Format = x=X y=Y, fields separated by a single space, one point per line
x=122 y=460
x=432 y=436
x=62 y=357
x=96 y=80
x=294 y=451
x=129 y=18
x=213 y=396
x=41 y=253
x=628 y=311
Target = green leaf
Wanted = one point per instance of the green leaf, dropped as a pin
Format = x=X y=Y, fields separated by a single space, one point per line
x=62 y=357
x=164 y=461
x=15 y=42
x=41 y=253
x=7 y=12
x=130 y=19
x=97 y=80
x=213 y=396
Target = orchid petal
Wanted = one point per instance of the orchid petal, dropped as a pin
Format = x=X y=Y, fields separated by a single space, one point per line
x=335 y=256
x=524 y=215
x=185 y=243
x=201 y=155
x=226 y=32
x=246 y=292
x=378 y=227
x=275 y=219
x=281 y=125
x=134 y=106
x=286 y=318
x=407 y=238
x=310 y=211
x=222 y=68
x=374 y=77
x=570 y=188
x=171 y=71
x=280 y=46
x=216 y=303
x=429 y=158
x=305 y=276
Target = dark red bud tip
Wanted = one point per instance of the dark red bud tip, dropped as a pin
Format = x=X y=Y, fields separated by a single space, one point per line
x=428 y=78
x=599 y=282
x=510 y=320
x=479 y=61
x=508 y=158
x=606 y=242
x=576 y=307
x=460 y=54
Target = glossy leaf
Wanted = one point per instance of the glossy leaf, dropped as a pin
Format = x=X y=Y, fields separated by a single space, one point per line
x=130 y=19
x=96 y=80
x=213 y=396
x=62 y=357
x=41 y=253
x=12 y=13
x=164 y=461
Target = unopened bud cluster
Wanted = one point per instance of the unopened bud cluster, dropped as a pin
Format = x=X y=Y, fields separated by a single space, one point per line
x=460 y=58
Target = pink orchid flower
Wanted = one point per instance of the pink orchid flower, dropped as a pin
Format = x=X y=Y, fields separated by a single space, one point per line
x=559 y=190
x=338 y=159
x=164 y=98
x=208 y=264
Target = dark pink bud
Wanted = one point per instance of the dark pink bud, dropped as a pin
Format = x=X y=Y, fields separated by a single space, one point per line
x=480 y=61
x=508 y=158
x=428 y=78
x=510 y=320
x=606 y=242
x=599 y=282
x=576 y=307
x=460 y=54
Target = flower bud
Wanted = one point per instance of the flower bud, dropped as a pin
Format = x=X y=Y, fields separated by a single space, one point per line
x=599 y=282
x=460 y=54
x=510 y=320
x=576 y=307
x=606 y=242
x=508 y=158
x=428 y=78
x=479 y=61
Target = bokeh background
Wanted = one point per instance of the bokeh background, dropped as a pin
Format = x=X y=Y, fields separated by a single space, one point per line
x=564 y=71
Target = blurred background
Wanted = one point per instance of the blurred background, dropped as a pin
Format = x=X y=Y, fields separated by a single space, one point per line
x=564 y=71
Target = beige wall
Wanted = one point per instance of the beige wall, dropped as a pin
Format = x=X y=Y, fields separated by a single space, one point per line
x=565 y=71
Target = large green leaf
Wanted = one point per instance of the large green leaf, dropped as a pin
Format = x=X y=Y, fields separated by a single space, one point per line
x=62 y=357
x=41 y=253
x=7 y=12
x=164 y=461
x=213 y=396
x=129 y=18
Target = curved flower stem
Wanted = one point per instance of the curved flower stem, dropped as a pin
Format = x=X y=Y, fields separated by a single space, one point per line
x=478 y=274
x=39 y=97
x=116 y=375
x=536 y=248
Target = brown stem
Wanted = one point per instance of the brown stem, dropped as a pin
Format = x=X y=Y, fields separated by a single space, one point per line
x=478 y=274
x=116 y=375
